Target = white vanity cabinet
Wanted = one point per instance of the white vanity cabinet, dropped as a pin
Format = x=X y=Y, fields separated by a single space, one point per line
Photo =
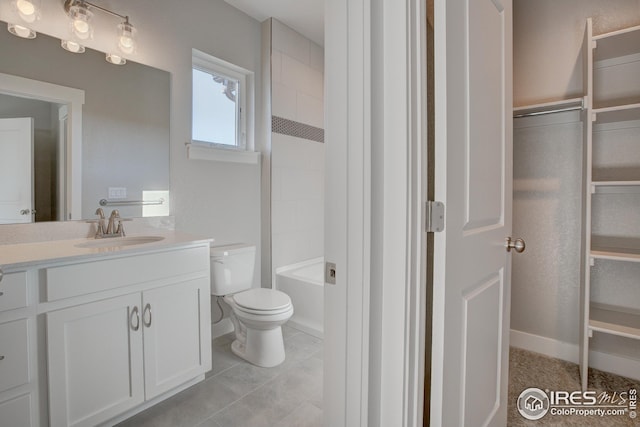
x=18 y=405
x=91 y=340
x=108 y=356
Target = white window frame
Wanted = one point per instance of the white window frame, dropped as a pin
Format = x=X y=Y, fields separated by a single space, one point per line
x=246 y=119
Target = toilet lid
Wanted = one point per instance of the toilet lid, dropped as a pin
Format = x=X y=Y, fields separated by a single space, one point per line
x=262 y=299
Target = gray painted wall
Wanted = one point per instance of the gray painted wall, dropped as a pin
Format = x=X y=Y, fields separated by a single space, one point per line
x=547 y=38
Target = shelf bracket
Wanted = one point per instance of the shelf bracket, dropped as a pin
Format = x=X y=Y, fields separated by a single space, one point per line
x=592 y=261
x=590 y=333
x=594 y=44
x=594 y=117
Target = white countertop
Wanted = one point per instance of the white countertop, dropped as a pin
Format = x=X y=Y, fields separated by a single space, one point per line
x=22 y=255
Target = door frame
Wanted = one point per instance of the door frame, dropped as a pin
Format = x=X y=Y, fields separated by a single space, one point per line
x=375 y=116
x=74 y=100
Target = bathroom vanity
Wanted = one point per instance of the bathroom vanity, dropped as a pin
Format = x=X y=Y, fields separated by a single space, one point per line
x=93 y=331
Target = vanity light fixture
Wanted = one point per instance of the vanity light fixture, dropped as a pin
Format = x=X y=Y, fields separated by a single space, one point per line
x=81 y=15
x=29 y=12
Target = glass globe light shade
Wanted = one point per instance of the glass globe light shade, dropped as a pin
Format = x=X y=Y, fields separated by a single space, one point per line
x=126 y=38
x=21 y=31
x=115 y=59
x=71 y=46
x=29 y=10
x=81 y=26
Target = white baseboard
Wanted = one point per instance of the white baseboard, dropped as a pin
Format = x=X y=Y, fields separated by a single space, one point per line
x=316 y=332
x=606 y=362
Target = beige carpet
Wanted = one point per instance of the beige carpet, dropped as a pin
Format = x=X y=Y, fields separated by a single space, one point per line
x=528 y=369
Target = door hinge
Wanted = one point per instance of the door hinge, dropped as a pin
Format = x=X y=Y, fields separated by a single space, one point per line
x=435 y=217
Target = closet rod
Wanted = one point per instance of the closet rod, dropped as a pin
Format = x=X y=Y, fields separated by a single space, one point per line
x=551 y=111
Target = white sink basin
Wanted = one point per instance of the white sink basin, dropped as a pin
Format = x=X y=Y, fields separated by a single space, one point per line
x=115 y=242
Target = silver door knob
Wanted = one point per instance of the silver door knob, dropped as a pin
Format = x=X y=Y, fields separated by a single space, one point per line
x=518 y=245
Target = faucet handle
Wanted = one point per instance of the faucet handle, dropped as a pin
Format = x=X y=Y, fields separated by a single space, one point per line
x=120 y=231
x=100 y=213
x=115 y=213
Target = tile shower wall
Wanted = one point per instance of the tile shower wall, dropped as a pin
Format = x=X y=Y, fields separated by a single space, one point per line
x=297 y=150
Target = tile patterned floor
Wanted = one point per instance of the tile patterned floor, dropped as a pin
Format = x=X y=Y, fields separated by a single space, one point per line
x=238 y=394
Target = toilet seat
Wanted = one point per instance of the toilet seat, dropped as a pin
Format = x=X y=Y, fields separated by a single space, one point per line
x=262 y=301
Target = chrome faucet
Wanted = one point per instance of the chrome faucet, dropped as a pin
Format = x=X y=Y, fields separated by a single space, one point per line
x=111 y=230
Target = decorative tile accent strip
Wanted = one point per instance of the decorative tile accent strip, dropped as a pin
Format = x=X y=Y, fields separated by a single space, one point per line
x=297 y=129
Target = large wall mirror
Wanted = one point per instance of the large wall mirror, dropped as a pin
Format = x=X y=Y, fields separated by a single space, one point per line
x=102 y=137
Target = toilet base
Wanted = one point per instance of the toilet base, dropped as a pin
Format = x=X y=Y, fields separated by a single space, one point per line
x=264 y=348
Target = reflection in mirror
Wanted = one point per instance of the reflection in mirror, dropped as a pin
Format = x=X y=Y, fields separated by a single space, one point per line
x=122 y=145
x=40 y=123
x=42 y=190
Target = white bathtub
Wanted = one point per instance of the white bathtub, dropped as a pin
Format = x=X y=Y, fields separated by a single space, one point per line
x=304 y=283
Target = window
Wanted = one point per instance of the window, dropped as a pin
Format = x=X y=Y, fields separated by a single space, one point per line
x=219 y=96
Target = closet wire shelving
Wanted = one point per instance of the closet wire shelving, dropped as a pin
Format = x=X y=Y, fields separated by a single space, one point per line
x=607 y=108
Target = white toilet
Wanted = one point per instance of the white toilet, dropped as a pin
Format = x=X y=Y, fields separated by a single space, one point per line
x=257 y=313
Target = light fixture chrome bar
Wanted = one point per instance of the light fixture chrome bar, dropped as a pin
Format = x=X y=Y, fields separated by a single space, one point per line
x=69 y=3
x=105 y=202
x=126 y=18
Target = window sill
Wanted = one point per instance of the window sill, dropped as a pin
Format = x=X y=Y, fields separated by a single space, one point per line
x=206 y=152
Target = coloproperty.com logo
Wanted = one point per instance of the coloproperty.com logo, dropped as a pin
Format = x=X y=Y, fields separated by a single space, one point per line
x=534 y=403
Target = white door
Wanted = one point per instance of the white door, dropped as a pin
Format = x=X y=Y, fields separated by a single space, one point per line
x=95 y=361
x=176 y=334
x=473 y=161
x=16 y=170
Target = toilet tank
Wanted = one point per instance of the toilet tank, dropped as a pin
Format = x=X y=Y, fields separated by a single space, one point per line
x=232 y=268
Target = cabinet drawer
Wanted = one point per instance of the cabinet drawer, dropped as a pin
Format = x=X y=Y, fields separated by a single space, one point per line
x=13 y=291
x=81 y=279
x=14 y=354
x=16 y=412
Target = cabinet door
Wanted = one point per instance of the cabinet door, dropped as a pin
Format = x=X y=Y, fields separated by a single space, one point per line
x=177 y=334
x=14 y=354
x=95 y=361
x=16 y=412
